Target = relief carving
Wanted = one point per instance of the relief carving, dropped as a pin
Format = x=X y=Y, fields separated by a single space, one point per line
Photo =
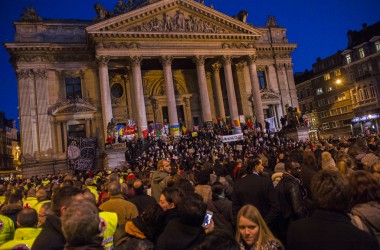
x=238 y=45
x=178 y=22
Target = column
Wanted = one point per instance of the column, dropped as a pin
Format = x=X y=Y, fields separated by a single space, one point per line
x=42 y=106
x=105 y=93
x=188 y=115
x=64 y=128
x=232 y=103
x=218 y=89
x=170 y=95
x=58 y=127
x=88 y=128
x=291 y=85
x=255 y=90
x=241 y=93
x=138 y=96
x=203 y=92
x=53 y=135
x=24 y=78
x=129 y=95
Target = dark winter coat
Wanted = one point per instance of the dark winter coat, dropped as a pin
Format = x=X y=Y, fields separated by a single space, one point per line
x=328 y=230
x=51 y=236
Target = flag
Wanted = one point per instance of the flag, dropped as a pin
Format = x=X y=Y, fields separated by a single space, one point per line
x=194 y=134
x=236 y=123
x=145 y=133
x=184 y=129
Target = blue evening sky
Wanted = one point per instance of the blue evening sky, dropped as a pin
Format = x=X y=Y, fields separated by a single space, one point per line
x=319 y=27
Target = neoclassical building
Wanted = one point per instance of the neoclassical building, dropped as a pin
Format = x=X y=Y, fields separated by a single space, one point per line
x=174 y=61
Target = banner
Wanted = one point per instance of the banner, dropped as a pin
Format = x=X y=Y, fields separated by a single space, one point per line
x=272 y=125
x=81 y=153
x=229 y=138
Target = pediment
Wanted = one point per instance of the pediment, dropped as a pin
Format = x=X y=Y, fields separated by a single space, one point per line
x=268 y=94
x=173 y=17
x=71 y=107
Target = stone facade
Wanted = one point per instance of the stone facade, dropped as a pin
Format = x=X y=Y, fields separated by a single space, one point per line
x=175 y=61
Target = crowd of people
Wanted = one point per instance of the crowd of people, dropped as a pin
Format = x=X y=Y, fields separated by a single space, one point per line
x=198 y=192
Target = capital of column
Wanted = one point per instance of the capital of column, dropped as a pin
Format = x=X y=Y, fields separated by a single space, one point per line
x=40 y=73
x=199 y=60
x=135 y=60
x=208 y=75
x=279 y=66
x=251 y=59
x=226 y=59
x=102 y=60
x=288 y=66
x=215 y=67
x=23 y=74
x=166 y=60
x=240 y=66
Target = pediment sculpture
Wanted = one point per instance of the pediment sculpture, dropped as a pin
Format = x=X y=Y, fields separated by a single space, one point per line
x=178 y=22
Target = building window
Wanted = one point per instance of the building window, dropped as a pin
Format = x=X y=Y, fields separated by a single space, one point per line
x=329 y=89
x=341 y=97
x=348 y=59
x=319 y=91
x=377 y=45
x=73 y=88
x=261 y=78
x=337 y=72
x=327 y=76
x=308 y=92
x=361 y=96
x=354 y=96
x=372 y=91
x=333 y=112
x=361 y=53
x=366 y=95
x=301 y=94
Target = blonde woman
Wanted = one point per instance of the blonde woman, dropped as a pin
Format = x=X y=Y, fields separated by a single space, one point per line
x=252 y=233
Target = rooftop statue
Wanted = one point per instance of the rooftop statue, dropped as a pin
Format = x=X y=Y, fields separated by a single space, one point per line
x=30 y=15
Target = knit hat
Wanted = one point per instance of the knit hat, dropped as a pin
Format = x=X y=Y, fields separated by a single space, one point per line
x=328 y=162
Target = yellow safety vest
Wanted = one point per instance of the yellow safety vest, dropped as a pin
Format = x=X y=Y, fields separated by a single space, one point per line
x=45 y=182
x=108 y=223
x=7 y=229
x=24 y=238
x=38 y=206
x=94 y=191
x=2 y=199
x=29 y=202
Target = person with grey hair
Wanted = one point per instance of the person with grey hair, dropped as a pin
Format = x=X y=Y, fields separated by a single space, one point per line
x=124 y=209
x=329 y=227
x=81 y=226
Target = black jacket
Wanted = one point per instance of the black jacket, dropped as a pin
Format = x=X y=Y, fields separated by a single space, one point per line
x=328 y=230
x=259 y=192
x=179 y=236
x=51 y=236
x=291 y=196
x=142 y=201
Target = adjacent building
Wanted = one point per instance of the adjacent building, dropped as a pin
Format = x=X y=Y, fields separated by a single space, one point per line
x=344 y=87
x=173 y=61
x=9 y=146
x=362 y=63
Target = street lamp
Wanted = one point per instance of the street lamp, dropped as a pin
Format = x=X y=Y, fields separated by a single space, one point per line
x=338 y=81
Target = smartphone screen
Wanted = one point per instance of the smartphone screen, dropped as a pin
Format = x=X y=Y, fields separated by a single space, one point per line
x=207 y=219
